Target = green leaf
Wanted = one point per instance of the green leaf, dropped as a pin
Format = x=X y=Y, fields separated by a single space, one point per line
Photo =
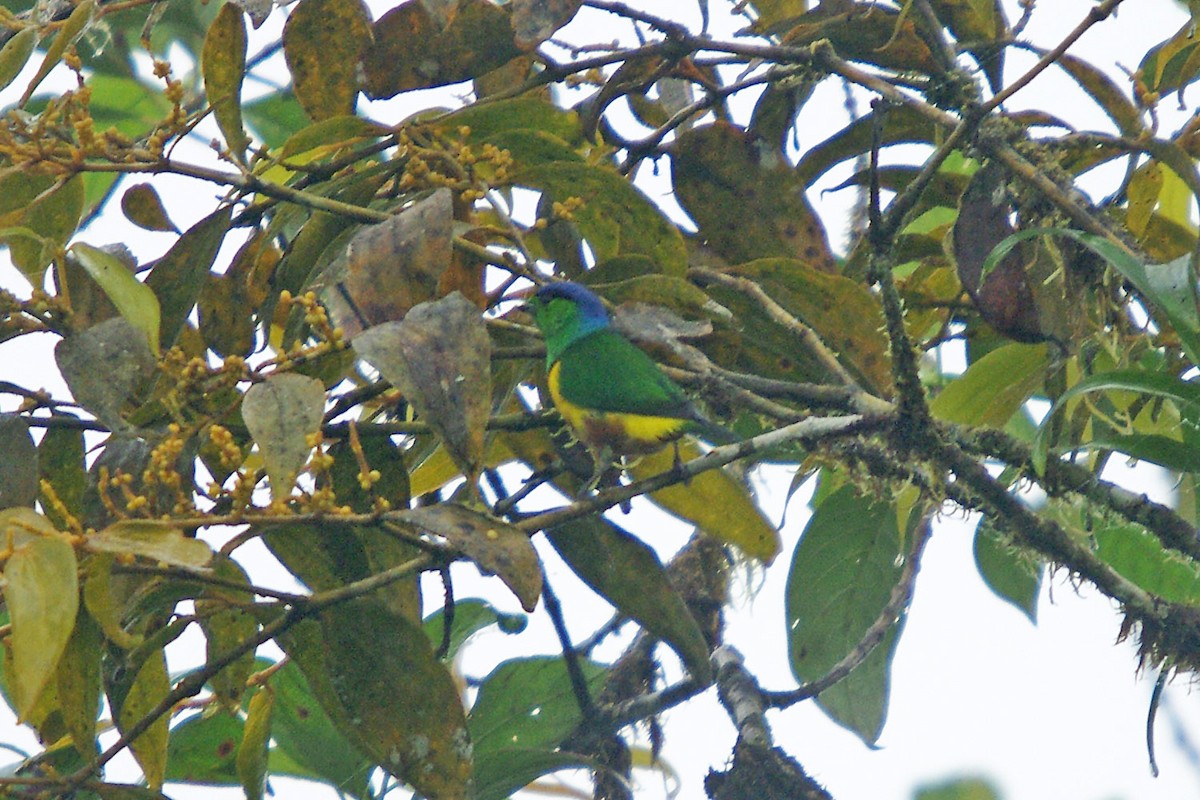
x=78 y=682
x=627 y=574
x=142 y=206
x=375 y=675
x=15 y=54
x=323 y=41
x=1014 y=576
x=303 y=730
x=841 y=577
x=179 y=276
x=470 y=617
x=132 y=107
x=153 y=540
x=135 y=300
x=282 y=413
x=616 y=218
x=1185 y=394
x=524 y=710
x=54 y=217
x=994 y=387
x=202 y=749
x=1140 y=557
x=959 y=789
x=275 y=117
x=42 y=593
x=842 y=312
x=227 y=624
x=256 y=740
x=19 y=466
x=223 y=64
x=1170 y=287
x=61 y=465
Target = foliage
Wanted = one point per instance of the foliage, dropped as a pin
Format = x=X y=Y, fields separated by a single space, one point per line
x=329 y=362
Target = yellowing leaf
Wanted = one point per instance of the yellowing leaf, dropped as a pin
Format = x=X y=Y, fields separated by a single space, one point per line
x=256 y=739
x=42 y=593
x=70 y=31
x=223 y=64
x=713 y=501
x=994 y=387
x=150 y=539
x=323 y=41
x=149 y=688
x=15 y=54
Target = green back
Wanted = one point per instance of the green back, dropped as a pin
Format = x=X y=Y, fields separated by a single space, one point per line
x=603 y=371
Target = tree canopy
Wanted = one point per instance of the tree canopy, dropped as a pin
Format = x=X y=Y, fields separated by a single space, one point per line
x=330 y=363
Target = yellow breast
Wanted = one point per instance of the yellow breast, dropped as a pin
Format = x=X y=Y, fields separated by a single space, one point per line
x=621 y=433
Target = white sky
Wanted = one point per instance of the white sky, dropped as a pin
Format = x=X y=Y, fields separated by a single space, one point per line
x=1054 y=711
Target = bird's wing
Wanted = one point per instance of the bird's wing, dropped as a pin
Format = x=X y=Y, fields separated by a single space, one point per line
x=603 y=371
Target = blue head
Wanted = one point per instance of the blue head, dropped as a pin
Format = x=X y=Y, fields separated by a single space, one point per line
x=566 y=312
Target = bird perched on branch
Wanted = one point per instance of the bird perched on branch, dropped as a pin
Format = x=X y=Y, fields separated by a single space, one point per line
x=610 y=392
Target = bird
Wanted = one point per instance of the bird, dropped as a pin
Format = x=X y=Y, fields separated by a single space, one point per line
x=611 y=394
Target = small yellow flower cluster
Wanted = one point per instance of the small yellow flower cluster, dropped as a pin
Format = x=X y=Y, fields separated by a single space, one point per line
x=567 y=208
x=162 y=472
x=229 y=454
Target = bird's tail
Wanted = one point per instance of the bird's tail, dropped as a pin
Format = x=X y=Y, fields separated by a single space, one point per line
x=713 y=433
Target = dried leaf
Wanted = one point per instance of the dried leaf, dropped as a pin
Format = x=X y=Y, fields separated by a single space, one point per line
x=411 y=50
x=390 y=267
x=439 y=356
x=1003 y=297
x=142 y=206
x=104 y=367
x=282 y=413
x=535 y=21
x=18 y=463
x=495 y=546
